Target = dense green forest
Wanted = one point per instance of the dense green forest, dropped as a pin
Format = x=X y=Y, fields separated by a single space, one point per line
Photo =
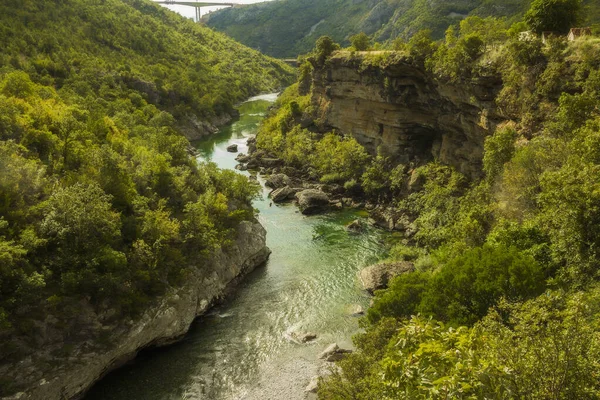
x=503 y=303
x=286 y=28
x=100 y=200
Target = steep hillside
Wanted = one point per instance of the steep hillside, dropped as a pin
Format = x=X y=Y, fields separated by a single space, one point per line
x=483 y=151
x=107 y=225
x=171 y=62
x=286 y=28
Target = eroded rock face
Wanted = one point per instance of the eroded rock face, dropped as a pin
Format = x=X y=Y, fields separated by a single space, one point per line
x=401 y=109
x=377 y=276
x=48 y=376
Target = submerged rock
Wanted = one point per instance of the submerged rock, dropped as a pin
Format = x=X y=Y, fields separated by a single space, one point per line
x=312 y=201
x=303 y=337
x=376 y=277
x=232 y=148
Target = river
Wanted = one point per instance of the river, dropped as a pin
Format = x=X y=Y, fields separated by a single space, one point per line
x=241 y=349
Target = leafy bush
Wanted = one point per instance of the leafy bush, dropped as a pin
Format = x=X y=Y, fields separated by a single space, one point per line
x=546 y=348
x=360 y=42
x=462 y=290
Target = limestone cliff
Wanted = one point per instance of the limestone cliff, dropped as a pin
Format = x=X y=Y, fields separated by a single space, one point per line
x=54 y=373
x=386 y=101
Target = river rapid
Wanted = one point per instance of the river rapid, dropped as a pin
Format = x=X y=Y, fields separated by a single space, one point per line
x=242 y=349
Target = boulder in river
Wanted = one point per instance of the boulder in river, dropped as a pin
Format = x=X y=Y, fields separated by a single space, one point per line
x=232 y=148
x=355 y=226
x=312 y=201
x=356 y=310
x=277 y=181
x=282 y=194
x=334 y=353
x=243 y=158
x=385 y=217
x=313 y=385
x=378 y=276
x=303 y=337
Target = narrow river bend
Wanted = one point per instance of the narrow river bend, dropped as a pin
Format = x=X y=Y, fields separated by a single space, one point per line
x=241 y=349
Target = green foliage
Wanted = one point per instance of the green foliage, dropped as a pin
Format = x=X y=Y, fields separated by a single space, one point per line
x=499 y=149
x=331 y=157
x=360 y=42
x=463 y=290
x=546 y=348
x=287 y=28
x=467 y=286
x=338 y=158
x=436 y=206
x=324 y=47
x=421 y=45
x=553 y=15
x=458 y=57
x=100 y=202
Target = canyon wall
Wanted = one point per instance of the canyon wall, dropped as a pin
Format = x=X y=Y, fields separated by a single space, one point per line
x=392 y=105
x=65 y=367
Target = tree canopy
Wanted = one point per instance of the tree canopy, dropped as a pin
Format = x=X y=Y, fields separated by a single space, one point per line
x=554 y=15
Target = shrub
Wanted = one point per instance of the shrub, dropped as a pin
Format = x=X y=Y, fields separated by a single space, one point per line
x=360 y=42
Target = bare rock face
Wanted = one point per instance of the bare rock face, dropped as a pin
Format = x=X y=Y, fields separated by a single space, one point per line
x=47 y=375
x=312 y=201
x=401 y=109
x=377 y=276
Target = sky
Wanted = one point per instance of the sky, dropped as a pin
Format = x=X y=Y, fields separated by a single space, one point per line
x=190 y=12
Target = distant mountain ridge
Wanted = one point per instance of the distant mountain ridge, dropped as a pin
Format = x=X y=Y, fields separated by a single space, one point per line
x=286 y=28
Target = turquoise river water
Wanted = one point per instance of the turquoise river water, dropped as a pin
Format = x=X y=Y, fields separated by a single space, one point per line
x=308 y=284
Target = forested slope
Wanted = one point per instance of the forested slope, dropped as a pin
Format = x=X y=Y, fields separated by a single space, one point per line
x=503 y=299
x=286 y=28
x=100 y=202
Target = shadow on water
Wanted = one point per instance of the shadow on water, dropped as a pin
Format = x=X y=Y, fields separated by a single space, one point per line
x=308 y=284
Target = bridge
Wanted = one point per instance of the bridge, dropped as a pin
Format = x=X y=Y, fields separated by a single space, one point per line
x=197 y=4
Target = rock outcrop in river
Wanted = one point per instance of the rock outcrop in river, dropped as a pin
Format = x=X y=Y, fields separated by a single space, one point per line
x=53 y=373
x=387 y=102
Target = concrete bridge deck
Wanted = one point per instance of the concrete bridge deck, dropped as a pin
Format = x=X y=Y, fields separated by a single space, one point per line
x=196 y=3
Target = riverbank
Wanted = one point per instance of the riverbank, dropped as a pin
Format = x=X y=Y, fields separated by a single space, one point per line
x=163 y=323
x=243 y=347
